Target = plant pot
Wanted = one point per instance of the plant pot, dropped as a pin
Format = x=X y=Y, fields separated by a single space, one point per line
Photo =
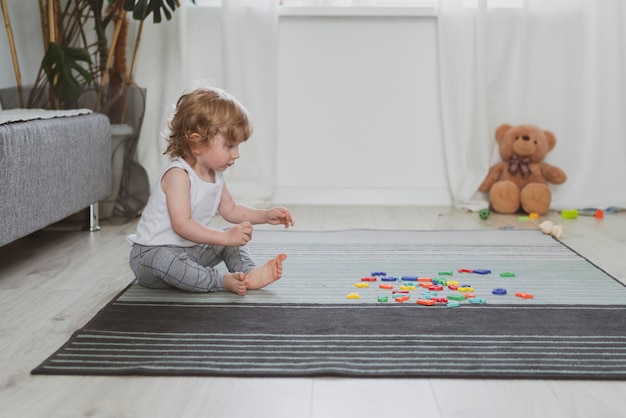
x=121 y=138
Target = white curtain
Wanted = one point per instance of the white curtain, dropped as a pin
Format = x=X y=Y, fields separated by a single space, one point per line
x=249 y=50
x=233 y=47
x=557 y=64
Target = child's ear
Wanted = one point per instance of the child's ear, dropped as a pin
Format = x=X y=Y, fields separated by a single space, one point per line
x=193 y=138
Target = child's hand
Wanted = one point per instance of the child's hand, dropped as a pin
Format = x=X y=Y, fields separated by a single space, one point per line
x=278 y=216
x=239 y=234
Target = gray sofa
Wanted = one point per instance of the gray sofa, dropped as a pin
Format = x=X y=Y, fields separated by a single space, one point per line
x=51 y=169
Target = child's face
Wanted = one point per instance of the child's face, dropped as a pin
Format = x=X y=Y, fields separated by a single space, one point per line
x=218 y=155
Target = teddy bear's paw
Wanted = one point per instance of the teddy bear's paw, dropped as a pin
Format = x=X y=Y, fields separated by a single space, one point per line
x=505 y=197
x=536 y=198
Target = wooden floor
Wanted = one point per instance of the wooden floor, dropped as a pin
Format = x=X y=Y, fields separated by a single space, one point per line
x=53 y=284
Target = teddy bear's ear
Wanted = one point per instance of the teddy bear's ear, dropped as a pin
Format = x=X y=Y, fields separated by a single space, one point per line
x=501 y=131
x=551 y=139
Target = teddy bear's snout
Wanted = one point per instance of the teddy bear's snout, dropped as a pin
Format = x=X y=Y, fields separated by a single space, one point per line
x=526 y=138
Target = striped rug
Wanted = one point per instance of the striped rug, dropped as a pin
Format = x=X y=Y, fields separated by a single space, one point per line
x=305 y=324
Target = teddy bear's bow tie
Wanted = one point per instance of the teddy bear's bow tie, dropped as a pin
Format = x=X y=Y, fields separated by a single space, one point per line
x=516 y=163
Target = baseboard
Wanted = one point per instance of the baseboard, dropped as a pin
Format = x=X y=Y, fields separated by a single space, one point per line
x=362 y=196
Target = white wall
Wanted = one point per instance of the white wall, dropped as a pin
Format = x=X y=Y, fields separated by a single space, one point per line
x=24 y=16
x=359 y=112
x=358 y=116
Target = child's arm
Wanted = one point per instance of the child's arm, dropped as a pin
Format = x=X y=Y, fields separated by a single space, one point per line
x=236 y=213
x=176 y=185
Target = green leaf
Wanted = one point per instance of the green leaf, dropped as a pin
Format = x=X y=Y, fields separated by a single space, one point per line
x=64 y=71
x=143 y=8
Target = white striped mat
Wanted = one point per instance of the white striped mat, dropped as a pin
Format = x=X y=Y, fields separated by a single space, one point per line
x=323 y=267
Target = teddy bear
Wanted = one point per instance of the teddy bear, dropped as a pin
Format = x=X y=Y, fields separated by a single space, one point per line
x=521 y=179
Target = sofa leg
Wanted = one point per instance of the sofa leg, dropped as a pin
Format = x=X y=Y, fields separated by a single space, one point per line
x=91 y=218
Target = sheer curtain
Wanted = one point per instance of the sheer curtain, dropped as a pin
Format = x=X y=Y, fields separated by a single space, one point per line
x=249 y=51
x=557 y=64
x=232 y=47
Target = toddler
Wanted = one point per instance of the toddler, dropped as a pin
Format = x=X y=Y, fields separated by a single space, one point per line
x=173 y=244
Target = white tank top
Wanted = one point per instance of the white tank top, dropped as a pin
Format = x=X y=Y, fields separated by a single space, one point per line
x=155 y=226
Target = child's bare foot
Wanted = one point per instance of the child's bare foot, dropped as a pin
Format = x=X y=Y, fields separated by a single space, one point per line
x=267 y=273
x=235 y=282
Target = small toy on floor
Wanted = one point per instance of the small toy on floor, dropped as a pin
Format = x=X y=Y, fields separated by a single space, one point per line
x=569 y=214
x=549 y=228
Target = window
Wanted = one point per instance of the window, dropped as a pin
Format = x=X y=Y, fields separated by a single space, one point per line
x=359 y=3
x=346 y=7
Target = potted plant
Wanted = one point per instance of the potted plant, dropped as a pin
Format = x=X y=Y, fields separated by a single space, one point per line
x=87 y=43
x=85 y=66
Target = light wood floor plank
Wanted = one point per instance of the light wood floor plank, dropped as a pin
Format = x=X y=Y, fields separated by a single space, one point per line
x=250 y=397
x=340 y=398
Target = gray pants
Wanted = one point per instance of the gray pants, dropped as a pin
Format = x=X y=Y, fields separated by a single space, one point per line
x=187 y=268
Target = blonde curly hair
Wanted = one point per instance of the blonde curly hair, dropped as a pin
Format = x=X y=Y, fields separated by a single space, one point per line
x=206 y=112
